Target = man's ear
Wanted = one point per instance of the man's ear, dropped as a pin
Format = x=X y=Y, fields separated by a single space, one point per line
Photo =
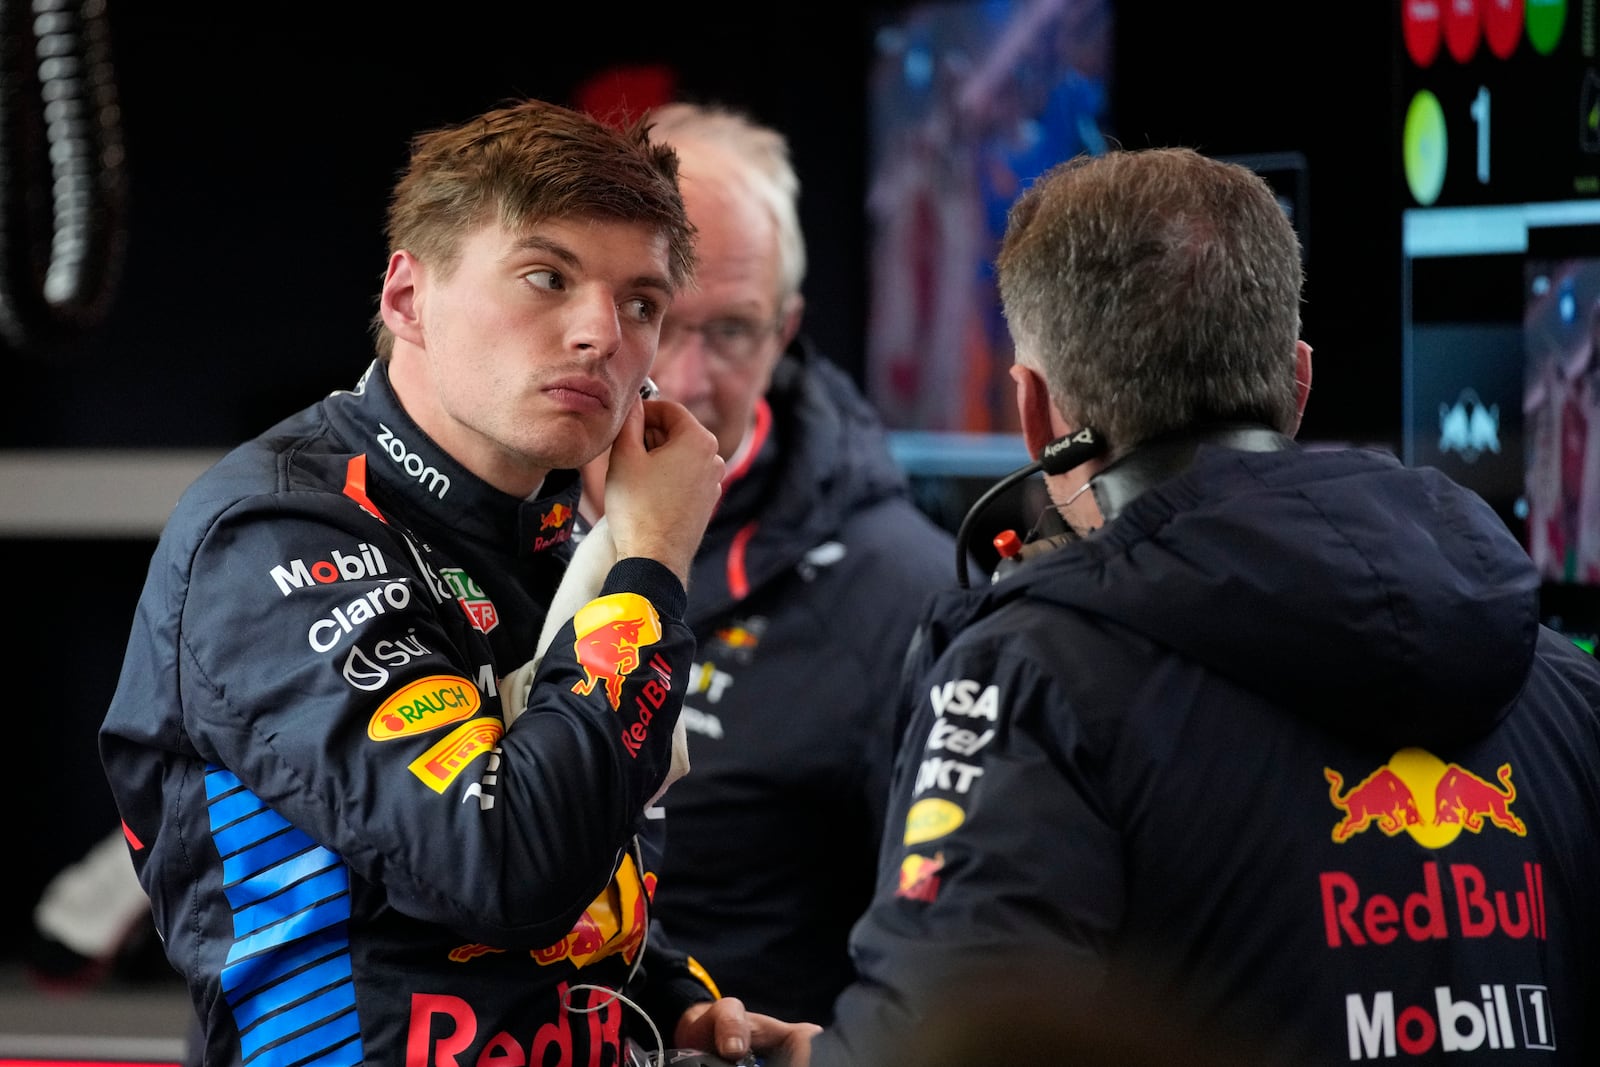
x=1302 y=382
x=789 y=318
x=1040 y=424
x=788 y=326
x=398 y=301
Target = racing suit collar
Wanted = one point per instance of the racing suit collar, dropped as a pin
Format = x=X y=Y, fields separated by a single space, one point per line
x=404 y=461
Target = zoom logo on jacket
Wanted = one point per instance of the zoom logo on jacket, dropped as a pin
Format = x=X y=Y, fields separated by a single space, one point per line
x=426 y=474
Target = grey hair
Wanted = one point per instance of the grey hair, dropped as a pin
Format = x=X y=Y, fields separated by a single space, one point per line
x=759 y=161
x=1155 y=290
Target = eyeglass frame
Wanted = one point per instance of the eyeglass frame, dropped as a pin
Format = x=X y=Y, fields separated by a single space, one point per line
x=715 y=353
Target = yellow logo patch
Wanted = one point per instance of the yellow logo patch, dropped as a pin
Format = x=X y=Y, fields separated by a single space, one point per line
x=423 y=705
x=932 y=818
x=440 y=765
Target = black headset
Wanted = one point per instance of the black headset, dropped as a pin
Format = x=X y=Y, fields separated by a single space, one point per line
x=1147 y=464
x=1057 y=457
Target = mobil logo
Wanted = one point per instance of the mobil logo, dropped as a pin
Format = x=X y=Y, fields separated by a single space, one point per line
x=1494 y=1016
x=363 y=561
x=1419 y=794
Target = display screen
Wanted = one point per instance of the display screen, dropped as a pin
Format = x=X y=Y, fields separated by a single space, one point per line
x=1561 y=410
x=1500 y=102
x=969 y=102
x=1497 y=123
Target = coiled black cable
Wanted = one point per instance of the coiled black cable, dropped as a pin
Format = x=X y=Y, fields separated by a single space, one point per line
x=63 y=195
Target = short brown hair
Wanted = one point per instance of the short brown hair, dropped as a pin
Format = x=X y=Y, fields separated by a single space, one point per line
x=529 y=161
x=1155 y=289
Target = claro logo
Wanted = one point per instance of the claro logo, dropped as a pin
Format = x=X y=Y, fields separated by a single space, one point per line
x=326 y=633
x=426 y=475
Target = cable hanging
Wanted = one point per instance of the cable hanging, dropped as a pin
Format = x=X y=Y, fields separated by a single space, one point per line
x=62 y=182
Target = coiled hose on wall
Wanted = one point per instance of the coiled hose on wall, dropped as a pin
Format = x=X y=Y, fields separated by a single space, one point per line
x=63 y=194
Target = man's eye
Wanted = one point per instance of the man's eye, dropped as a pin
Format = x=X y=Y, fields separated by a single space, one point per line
x=543 y=278
x=730 y=330
x=641 y=308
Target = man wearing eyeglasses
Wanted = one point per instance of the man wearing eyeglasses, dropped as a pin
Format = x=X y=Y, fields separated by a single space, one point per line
x=802 y=596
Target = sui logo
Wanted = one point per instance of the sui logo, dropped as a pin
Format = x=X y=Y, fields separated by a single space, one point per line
x=1468 y=427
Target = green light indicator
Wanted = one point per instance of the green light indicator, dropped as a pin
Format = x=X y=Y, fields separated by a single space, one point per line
x=1545 y=19
x=1425 y=148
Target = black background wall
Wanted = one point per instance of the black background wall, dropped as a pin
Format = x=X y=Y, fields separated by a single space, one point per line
x=261 y=141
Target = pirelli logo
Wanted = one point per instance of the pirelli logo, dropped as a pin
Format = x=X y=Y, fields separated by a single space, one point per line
x=441 y=764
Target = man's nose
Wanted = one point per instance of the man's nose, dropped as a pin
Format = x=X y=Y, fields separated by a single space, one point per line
x=682 y=365
x=596 y=323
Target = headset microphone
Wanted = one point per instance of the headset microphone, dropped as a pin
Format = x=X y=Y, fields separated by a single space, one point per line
x=1057 y=457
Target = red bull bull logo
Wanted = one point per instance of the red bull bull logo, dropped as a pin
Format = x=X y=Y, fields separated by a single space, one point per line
x=1418 y=794
x=919 y=877
x=1380 y=799
x=470 y=952
x=736 y=637
x=613 y=922
x=555 y=518
x=739 y=639
x=559 y=520
x=610 y=632
x=1463 y=799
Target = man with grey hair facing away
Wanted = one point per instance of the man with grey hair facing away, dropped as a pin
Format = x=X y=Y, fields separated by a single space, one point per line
x=1269 y=748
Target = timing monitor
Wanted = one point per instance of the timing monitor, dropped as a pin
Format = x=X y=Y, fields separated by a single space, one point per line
x=1497 y=126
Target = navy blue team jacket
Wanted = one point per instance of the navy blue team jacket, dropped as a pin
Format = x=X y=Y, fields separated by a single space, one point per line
x=1280 y=755
x=803 y=598
x=350 y=858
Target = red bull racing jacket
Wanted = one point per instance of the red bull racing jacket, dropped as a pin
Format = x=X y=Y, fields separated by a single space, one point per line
x=350 y=858
x=1279 y=760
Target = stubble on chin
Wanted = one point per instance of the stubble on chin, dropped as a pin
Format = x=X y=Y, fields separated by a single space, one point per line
x=578 y=444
